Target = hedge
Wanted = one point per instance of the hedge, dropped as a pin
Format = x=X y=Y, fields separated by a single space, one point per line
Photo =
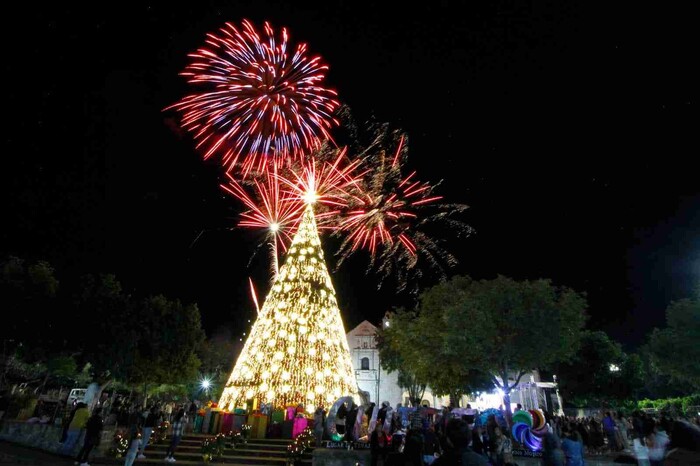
x=678 y=405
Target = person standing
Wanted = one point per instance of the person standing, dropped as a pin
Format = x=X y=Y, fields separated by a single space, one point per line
x=372 y=413
x=479 y=442
x=388 y=422
x=470 y=414
x=415 y=419
x=179 y=424
x=552 y=454
x=623 y=427
x=414 y=448
x=93 y=431
x=609 y=428
x=168 y=411
x=457 y=449
x=80 y=417
x=658 y=443
x=66 y=424
x=191 y=415
x=491 y=426
x=350 y=422
x=431 y=445
x=361 y=428
x=379 y=445
x=319 y=423
x=504 y=448
x=148 y=425
x=135 y=420
x=132 y=451
x=572 y=446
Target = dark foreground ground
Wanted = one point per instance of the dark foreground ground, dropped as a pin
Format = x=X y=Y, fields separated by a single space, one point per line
x=11 y=455
x=15 y=455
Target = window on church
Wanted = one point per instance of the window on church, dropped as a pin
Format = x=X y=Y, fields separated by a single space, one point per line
x=365 y=345
x=364 y=364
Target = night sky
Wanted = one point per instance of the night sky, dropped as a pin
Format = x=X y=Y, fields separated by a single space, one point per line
x=566 y=129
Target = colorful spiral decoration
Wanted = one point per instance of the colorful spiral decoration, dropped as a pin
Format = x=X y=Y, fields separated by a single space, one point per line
x=528 y=428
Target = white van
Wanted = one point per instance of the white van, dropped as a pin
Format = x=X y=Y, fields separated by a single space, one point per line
x=76 y=395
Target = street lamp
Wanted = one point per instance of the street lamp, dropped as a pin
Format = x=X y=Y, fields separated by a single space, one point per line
x=205 y=385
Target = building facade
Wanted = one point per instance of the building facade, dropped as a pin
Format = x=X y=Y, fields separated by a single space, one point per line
x=380 y=385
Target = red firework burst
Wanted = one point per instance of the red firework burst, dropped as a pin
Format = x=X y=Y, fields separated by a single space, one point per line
x=329 y=179
x=381 y=214
x=394 y=215
x=269 y=206
x=275 y=198
x=259 y=101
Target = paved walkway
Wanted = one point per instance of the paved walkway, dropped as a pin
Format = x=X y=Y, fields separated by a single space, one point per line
x=597 y=460
x=590 y=461
x=16 y=455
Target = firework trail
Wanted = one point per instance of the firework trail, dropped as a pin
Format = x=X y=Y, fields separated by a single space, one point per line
x=269 y=208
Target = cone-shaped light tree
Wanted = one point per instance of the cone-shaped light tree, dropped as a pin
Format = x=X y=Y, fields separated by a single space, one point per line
x=297 y=352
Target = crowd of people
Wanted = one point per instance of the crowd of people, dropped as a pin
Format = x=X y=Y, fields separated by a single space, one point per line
x=416 y=436
x=421 y=436
x=649 y=439
x=140 y=424
x=427 y=436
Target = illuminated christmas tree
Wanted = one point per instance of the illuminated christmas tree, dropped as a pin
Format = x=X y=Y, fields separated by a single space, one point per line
x=297 y=352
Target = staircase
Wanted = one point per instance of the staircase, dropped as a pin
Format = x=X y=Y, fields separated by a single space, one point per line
x=255 y=452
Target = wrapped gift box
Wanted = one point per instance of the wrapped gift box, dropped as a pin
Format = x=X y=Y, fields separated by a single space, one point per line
x=215 y=427
x=278 y=415
x=258 y=425
x=238 y=421
x=207 y=422
x=291 y=413
x=300 y=424
x=227 y=423
x=198 y=421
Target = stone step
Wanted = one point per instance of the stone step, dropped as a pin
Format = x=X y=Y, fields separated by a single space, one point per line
x=258 y=443
x=264 y=440
x=191 y=459
x=257 y=452
x=160 y=452
x=120 y=461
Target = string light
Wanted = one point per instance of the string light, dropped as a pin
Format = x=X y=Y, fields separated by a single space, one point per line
x=297 y=352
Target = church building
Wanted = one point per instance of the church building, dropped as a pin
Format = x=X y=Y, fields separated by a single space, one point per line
x=380 y=385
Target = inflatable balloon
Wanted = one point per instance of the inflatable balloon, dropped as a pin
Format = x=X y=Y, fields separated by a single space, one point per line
x=330 y=419
x=484 y=416
x=528 y=428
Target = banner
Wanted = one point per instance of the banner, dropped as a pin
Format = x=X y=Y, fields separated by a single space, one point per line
x=526 y=453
